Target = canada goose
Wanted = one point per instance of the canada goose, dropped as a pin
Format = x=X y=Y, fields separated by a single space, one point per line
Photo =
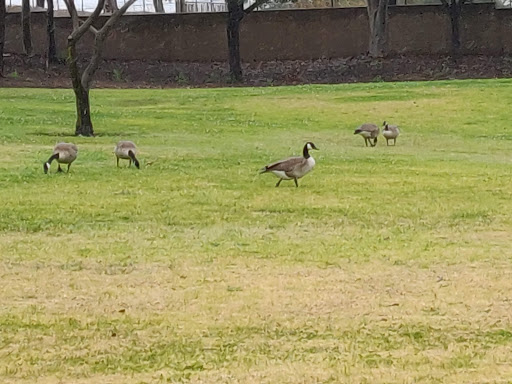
x=368 y=131
x=126 y=150
x=64 y=153
x=292 y=167
x=390 y=132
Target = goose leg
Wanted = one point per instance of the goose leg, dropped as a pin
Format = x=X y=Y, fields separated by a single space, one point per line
x=296 y=184
x=130 y=163
x=387 y=142
x=69 y=165
x=279 y=182
x=365 y=141
x=394 y=142
x=117 y=162
x=59 y=169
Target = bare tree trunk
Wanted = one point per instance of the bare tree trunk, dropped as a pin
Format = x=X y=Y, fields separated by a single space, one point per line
x=235 y=16
x=111 y=6
x=83 y=112
x=82 y=81
x=50 y=29
x=25 y=25
x=83 y=126
x=236 y=13
x=378 y=18
x=455 y=21
x=180 y=6
x=454 y=9
x=40 y=3
x=2 y=35
x=159 y=6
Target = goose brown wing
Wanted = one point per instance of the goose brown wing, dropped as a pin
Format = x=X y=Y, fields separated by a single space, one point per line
x=66 y=148
x=367 y=127
x=286 y=165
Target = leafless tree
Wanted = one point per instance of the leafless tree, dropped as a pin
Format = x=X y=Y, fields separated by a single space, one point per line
x=378 y=18
x=454 y=9
x=236 y=13
x=2 y=36
x=51 y=49
x=50 y=32
x=82 y=79
x=159 y=6
x=110 y=6
x=180 y=6
x=25 y=25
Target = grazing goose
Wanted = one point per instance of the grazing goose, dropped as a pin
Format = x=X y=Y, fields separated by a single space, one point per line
x=292 y=167
x=390 y=132
x=368 y=131
x=64 y=153
x=126 y=150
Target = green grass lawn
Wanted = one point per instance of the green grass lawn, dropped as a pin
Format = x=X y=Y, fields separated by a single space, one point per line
x=386 y=265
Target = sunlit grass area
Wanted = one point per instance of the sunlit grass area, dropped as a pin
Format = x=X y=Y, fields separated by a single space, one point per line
x=389 y=264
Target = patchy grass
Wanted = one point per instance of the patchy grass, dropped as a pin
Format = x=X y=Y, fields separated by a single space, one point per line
x=387 y=264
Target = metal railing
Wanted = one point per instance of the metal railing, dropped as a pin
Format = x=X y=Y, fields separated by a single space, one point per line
x=194 y=6
x=140 y=6
x=203 y=6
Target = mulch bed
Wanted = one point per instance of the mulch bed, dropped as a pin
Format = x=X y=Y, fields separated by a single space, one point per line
x=22 y=71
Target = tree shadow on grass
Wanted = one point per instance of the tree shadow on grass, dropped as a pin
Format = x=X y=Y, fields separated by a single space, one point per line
x=97 y=134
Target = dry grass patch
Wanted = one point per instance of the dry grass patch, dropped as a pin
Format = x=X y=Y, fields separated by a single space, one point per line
x=239 y=322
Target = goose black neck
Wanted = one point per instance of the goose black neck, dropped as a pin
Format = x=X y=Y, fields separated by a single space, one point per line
x=53 y=157
x=305 y=152
x=134 y=159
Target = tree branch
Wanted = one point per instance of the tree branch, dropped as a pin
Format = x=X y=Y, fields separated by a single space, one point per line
x=70 y=5
x=101 y=35
x=91 y=28
x=256 y=4
x=115 y=17
x=79 y=30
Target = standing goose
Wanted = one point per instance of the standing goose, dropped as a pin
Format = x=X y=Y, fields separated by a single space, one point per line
x=292 y=167
x=64 y=153
x=390 y=132
x=126 y=150
x=368 y=131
